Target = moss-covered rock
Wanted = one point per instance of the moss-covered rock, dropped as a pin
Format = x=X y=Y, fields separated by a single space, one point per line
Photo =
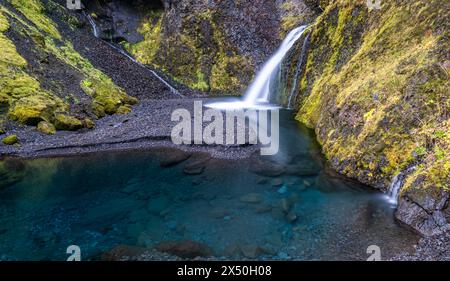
x=20 y=90
x=123 y=109
x=88 y=123
x=10 y=140
x=46 y=128
x=67 y=123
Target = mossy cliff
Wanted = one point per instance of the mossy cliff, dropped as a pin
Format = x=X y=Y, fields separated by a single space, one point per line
x=375 y=88
x=216 y=46
x=22 y=93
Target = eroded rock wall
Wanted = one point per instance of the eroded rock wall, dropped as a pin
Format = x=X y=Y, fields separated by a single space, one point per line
x=375 y=88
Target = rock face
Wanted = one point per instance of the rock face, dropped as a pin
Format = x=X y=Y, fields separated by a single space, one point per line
x=375 y=88
x=208 y=45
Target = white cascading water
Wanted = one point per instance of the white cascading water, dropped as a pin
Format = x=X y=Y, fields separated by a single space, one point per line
x=96 y=34
x=396 y=185
x=258 y=94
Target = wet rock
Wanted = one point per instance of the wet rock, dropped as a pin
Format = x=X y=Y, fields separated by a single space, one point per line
x=197 y=164
x=252 y=198
x=285 y=204
x=158 y=204
x=301 y=171
x=123 y=252
x=262 y=181
x=266 y=168
x=263 y=208
x=173 y=158
x=219 y=213
x=251 y=251
x=282 y=190
x=277 y=213
x=277 y=182
x=291 y=217
x=185 y=249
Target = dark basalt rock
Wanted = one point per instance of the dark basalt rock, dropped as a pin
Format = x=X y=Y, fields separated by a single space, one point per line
x=173 y=157
x=185 y=249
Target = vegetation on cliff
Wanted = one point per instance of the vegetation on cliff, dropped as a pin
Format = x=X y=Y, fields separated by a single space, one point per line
x=375 y=88
x=198 y=55
x=21 y=91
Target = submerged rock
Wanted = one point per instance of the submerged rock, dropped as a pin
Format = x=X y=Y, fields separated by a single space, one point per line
x=266 y=168
x=123 y=252
x=173 y=157
x=252 y=198
x=185 y=249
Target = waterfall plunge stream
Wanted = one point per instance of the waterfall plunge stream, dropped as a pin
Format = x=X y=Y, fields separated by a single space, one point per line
x=258 y=94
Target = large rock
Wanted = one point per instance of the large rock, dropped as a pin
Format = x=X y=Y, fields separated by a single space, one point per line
x=426 y=211
x=173 y=157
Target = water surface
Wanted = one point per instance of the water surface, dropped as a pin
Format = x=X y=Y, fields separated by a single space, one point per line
x=103 y=200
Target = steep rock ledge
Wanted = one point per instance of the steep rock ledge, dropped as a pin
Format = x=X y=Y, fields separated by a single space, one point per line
x=375 y=88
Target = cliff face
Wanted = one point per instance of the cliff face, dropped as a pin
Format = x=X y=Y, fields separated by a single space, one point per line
x=215 y=46
x=375 y=88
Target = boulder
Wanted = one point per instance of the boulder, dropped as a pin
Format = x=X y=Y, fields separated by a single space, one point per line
x=10 y=140
x=46 y=128
x=67 y=123
x=173 y=157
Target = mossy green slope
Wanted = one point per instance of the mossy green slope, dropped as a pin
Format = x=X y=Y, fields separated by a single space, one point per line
x=27 y=101
x=375 y=89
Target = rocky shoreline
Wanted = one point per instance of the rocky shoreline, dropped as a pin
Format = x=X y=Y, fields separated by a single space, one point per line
x=145 y=128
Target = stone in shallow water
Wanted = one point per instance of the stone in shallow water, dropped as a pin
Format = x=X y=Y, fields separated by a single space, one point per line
x=158 y=204
x=263 y=208
x=265 y=168
x=173 y=157
x=197 y=164
x=291 y=217
x=123 y=252
x=251 y=251
x=252 y=198
x=282 y=190
x=219 y=212
x=277 y=182
x=185 y=249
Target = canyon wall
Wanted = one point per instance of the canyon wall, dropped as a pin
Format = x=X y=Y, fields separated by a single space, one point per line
x=375 y=87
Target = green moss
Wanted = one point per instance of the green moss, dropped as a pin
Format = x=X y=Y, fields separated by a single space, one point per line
x=10 y=140
x=88 y=123
x=46 y=128
x=198 y=55
x=34 y=11
x=67 y=123
x=123 y=109
x=375 y=88
x=97 y=84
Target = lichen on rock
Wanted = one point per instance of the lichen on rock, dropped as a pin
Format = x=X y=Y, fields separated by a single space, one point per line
x=375 y=88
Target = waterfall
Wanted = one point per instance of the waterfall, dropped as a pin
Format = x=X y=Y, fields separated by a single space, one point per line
x=124 y=53
x=92 y=23
x=258 y=94
x=259 y=90
x=397 y=183
x=297 y=72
